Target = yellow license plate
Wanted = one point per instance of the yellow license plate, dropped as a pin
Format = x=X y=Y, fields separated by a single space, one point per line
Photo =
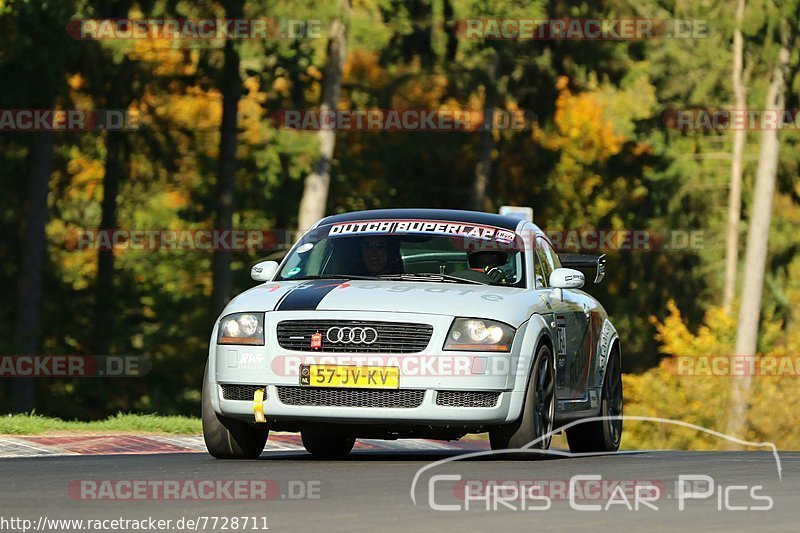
x=355 y=377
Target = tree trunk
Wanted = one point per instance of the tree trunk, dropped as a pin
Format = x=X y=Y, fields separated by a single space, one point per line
x=735 y=193
x=756 y=256
x=117 y=92
x=451 y=48
x=104 y=296
x=483 y=168
x=231 y=88
x=31 y=277
x=317 y=184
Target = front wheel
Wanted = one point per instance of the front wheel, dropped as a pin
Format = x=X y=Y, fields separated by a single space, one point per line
x=227 y=438
x=324 y=446
x=602 y=435
x=536 y=420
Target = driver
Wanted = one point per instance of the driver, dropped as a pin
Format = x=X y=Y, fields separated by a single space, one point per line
x=379 y=256
x=484 y=261
x=489 y=263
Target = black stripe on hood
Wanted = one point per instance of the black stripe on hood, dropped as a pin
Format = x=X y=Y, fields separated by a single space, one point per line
x=308 y=295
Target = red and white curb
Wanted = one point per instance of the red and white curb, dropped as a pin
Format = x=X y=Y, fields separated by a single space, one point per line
x=52 y=446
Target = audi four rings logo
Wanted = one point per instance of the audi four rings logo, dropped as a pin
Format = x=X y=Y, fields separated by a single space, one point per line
x=351 y=335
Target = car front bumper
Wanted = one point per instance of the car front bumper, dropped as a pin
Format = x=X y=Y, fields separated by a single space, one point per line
x=431 y=372
x=427 y=413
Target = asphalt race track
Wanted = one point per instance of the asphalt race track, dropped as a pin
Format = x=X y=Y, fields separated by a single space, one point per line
x=370 y=491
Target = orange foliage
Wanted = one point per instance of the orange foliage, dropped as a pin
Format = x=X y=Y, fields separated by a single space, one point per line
x=582 y=129
x=585 y=139
x=362 y=68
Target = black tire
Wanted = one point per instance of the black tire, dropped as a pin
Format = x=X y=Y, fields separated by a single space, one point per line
x=602 y=435
x=227 y=438
x=324 y=446
x=537 y=415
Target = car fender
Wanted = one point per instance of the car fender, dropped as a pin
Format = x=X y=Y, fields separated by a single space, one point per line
x=532 y=331
x=211 y=369
x=605 y=343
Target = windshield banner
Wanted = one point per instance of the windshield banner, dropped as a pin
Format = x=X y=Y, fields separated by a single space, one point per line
x=435 y=227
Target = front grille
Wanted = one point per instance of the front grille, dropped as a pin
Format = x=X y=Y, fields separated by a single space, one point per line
x=240 y=392
x=405 y=399
x=392 y=337
x=466 y=399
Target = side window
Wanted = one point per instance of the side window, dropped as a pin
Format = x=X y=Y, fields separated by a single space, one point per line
x=552 y=256
x=546 y=261
x=307 y=259
x=541 y=267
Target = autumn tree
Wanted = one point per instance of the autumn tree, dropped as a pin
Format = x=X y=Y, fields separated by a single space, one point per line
x=38 y=62
x=739 y=83
x=755 y=262
x=230 y=84
x=315 y=191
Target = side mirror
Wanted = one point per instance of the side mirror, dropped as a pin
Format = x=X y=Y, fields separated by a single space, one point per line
x=566 y=278
x=264 y=271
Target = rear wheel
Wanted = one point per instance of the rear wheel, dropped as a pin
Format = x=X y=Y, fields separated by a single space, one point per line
x=538 y=412
x=227 y=438
x=324 y=446
x=602 y=435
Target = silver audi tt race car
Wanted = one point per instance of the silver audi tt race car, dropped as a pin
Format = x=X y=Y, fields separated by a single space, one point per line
x=416 y=323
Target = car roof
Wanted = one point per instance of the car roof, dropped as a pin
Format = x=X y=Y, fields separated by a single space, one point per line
x=446 y=215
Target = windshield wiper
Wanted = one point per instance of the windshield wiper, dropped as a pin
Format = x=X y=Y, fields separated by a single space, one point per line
x=430 y=276
x=331 y=276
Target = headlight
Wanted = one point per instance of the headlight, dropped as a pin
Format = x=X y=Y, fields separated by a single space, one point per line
x=242 y=328
x=479 y=335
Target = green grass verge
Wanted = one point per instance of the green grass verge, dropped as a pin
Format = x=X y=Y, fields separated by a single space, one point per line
x=34 y=424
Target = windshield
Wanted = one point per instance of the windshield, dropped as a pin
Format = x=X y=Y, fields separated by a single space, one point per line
x=409 y=250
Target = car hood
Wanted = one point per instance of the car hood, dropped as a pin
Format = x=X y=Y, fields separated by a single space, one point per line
x=507 y=304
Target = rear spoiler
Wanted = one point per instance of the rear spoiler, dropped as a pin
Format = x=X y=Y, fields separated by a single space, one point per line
x=586 y=262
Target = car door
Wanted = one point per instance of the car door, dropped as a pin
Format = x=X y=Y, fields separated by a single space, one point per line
x=587 y=328
x=567 y=316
